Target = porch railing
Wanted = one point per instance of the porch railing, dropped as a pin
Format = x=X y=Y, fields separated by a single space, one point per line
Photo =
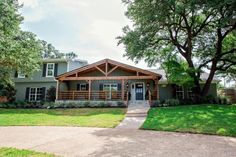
x=94 y=95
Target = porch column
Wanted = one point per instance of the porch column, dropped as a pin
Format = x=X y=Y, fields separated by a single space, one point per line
x=122 y=89
x=157 y=89
x=89 y=92
x=58 y=89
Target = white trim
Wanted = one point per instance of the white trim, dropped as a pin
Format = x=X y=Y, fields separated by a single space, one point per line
x=144 y=89
x=109 y=84
x=20 y=75
x=180 y=91
x=35 y=94
x=52 y=70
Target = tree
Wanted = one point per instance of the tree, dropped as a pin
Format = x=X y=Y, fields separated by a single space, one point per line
x=49 y=51
x=201 y=33
x=19 y=50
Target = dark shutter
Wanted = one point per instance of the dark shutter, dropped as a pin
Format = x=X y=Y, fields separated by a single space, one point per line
x=78 y=86
x=119 y=87
x=101 y=86
x=44 y=70
x=87 y=86
x=16 y=74
x=55 y=69
x=27 y=94
x=43 y=94
x=173 y=91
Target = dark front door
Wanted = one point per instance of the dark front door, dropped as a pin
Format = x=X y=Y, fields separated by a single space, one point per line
x=139 y=91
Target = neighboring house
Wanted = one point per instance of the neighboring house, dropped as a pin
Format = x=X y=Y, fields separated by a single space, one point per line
x=114 y=81
x=34 y=88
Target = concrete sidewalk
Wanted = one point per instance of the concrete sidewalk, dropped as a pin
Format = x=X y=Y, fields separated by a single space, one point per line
x=135 y=116
x=97 y=142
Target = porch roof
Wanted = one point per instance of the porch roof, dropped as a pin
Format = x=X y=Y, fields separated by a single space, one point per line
x=139 y=73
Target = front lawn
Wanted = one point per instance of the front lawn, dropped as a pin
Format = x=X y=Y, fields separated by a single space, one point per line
x=206 y=119
x=13 y=152
x=85 y=117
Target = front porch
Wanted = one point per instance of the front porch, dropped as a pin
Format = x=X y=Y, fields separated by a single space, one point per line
x=108 y=80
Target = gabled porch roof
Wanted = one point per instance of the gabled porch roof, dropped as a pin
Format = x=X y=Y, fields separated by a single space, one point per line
x=106 y=67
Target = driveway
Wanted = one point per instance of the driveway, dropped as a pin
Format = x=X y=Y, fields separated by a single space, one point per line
x=76 y=141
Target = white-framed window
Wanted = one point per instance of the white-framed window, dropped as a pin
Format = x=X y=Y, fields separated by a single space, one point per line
x=35 y=94
x=50 y=70
x=190 y=93
x=20 y=75
x=110 y=87
x=179 y=92
x=83 y=87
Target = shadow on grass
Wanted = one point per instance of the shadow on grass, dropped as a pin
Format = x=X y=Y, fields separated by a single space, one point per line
x=208 y=119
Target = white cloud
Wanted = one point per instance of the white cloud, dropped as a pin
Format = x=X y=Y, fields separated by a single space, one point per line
x=87 y=26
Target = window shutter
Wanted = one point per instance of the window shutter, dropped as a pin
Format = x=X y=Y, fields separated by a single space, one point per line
x=78 y=87
x=173 y=90
x=56 y=69
x=43 y=93
x=101 y=86
x=119 y=87
x=27 y=94
x=87 y=86
x=44 y=70
x=16 y=74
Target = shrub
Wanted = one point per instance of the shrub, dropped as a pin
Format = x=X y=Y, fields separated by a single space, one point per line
x=51 y=94
x=172 y=102
x=156 y=103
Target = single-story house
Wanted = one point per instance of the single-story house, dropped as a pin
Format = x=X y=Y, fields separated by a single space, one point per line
x=110 y=80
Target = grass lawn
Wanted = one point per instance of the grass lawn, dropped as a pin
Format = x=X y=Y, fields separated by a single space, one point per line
x=13 y=152
x=206 y=119
x=85 y=117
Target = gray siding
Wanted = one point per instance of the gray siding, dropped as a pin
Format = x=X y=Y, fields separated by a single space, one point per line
x=21 y=88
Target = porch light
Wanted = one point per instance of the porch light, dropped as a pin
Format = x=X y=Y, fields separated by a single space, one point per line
x=127 y=85
x=148 y=85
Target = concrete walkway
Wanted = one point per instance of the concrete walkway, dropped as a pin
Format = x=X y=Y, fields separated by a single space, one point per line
x=135 y=116
x=101 y=142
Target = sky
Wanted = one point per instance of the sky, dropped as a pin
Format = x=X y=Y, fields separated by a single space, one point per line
x=87 y=27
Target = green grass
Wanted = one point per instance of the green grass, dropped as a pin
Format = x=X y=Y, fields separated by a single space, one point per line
x=86 y=117
x=13 y=152
x=205 y=119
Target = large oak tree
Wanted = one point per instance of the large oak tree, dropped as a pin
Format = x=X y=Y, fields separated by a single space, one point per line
x=200 y=33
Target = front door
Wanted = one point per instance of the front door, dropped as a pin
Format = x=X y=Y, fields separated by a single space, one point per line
x=139 y=91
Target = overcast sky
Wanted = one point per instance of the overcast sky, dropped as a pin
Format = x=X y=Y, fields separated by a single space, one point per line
x=87 y=27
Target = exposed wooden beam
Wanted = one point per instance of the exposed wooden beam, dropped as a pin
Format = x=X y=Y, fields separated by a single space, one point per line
x=137 y=73
x=100 y=70
x=106 y=67
x=108 y=78
x=112 y=70
x=89 y=93
x=122 y=89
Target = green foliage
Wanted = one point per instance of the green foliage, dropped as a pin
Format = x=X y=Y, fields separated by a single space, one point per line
x=177 y=72
x=16 y=44
x=11 y=152
x=51 y=94
x=204 y=119
x=9 y=91
x=53 y=105
x=200 y=33
x=83 y=117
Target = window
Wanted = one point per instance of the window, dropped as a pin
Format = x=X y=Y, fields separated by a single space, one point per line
x=110 y=88
x=50 y=70
x=21 y=75
x=190 y=93
x=83 y=87
x=35 y=94
x=179 y=92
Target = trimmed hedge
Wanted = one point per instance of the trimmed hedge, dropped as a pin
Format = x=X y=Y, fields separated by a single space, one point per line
x=63 y=104
x=207 y=100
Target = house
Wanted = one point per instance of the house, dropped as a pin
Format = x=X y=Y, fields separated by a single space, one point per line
x=110 y=80
x=34 y=88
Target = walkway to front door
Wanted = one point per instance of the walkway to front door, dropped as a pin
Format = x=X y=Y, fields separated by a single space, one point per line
x=135 y=116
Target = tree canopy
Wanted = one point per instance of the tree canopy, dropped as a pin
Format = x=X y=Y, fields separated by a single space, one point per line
x=199 y=32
